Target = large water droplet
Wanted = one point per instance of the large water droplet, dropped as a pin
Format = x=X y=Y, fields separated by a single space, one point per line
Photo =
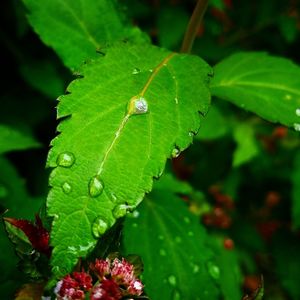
x=213 y=270
x=196 y=269
x=172 y=280
x=136 y=214
x=297 y=126
x=66 y=188
x=65 y=159
x=298 y=112
x=136 y=71
x=120 y=210
x=95 y=186
x=138 y=106
x=175 y=152
x=99 y=227
x=162 y=252
x=3 y=191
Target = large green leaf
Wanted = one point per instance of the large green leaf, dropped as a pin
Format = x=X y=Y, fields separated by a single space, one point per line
x=266 y=85
x=76 y=29
x=172 y=244
x=12 y=139
x=135 y=107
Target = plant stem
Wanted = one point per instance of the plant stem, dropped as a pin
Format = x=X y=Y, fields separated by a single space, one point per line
x=193 y=26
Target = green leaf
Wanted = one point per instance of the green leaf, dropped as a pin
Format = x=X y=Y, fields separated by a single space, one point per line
x=12 y=139
x=296 y=192
x=263 y=84
x=214 y=125
x=108 y=150
x=172 y=244
x=247 y=147
x=76 y=29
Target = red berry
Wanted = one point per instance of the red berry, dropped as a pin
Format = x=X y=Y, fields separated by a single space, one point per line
x=228 y=244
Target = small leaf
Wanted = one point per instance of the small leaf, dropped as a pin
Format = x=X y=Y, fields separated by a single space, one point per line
x=36 y=233
x=263 y=84
x=172 y=245
x=12 y=139
x=247 y=147
x=128 y=124
x=76 y=29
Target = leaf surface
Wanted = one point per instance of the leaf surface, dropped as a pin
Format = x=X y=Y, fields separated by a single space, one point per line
x=12 y=139
x=266 y=85
x=107 y=154
x=76 y=29
x=296 y=192
x=172 y=245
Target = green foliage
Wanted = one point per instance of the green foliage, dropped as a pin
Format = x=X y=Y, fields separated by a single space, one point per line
x=75 y=30
x=296 y=192
x=246 y=147
x=12 y=139
x=121 y=148
x=177 y=260
x=263 y=84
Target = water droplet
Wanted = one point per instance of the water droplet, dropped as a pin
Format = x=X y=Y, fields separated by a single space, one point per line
x=65 y=159
x=298 y=112
x=120 y=211
x=150 y=70
x=134 y=225
x=172 y=280
x=176 y=295
x=72 y=248
x=213 y=270
x=162 y=252
x=3 y=191
x=176 y=100
x=178 y=239
x=287 y=97
x=161 y=237
x=95 y=187
x=136 y=214
x=113 y=197
x=136 y=71
x=175 y=152
x=186 y=220
x=190 y=233
x=99 y=227
x=297 y=126
x=196 y=269
x=66 y=188
x=138 y=106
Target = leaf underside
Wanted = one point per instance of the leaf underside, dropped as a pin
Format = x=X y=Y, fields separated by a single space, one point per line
x=123 y=150
x=76 y=29
x=173 y=246
x=266 y=85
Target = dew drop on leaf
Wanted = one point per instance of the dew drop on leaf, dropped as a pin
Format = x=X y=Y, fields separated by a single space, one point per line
x=196 y=269
x=213 y=270
x=161 y=237
x=138 y=106
x=99 y=227
x=95 y=187
x=175 y=152
x=65 y=159
x=66 y=188
x=120 y=211
x=287 y=97
x=298 y=112
x=136 y=71
x=172 y=280
x=297 y=126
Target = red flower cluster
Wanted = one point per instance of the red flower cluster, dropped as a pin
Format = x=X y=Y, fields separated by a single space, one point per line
x=115 y=279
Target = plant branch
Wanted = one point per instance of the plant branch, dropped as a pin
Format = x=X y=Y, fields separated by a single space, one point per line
x=193 y=26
